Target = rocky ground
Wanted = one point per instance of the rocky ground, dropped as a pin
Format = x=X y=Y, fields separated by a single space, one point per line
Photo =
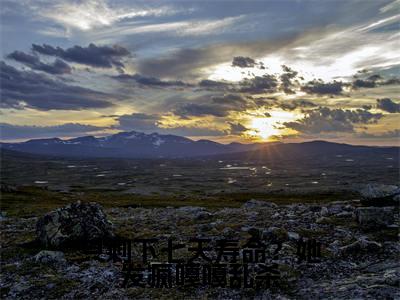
x=360 y=252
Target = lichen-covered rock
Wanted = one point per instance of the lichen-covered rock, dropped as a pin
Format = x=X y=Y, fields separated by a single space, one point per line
x=374 y=217
x=362 y=245
x=46 y=256
x=379 y=194
x=324 y=211
x=196 y=212
x=77 y=222
x=275 y=234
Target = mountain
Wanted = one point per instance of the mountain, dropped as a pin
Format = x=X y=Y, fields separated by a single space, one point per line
x=140 y=145
x=127 y=145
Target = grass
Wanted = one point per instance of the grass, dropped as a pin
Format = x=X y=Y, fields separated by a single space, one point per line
x=35 y=201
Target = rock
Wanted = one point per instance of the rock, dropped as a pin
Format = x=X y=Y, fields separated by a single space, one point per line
x=229 y=233
x=392 y=277
x=335 y=209
x=374 y=217
x=205 y=227
x=258 y=204
x=380 y=195
x=294 y=236
x=360 y=246
x=344 y=214
x=45 y=256
x=74 y=223
x=255 y=233
x=275 y=234
x=324 y=211
x=199 y=213
x=334 y=247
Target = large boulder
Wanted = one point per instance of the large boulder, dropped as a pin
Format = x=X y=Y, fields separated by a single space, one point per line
x=380 y=195
x=375 y=217
x=46 y=256
x=75 y=223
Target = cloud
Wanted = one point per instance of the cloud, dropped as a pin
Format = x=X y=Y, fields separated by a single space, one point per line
x=325 y=119
x=150 y=81
x=388 y=105
x=215 y=85
x=321 y=88
x=243 y=62
x=292 y=105
x=88 y=15
x=373 y=81
x=12 y=132
x=192 y=131
x=193 y=63
x=370 y=82
x=138 y=121
x=259 y=84
x=153 y=123
x=385 y=135
x=32 y=61
x=197 y=110
x=92 y=55
x=21 y=89
x=237 y=128
x=214 y=105
x=209 y=27
x=287 y=83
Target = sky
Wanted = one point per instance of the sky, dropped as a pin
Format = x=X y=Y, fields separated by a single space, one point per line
x=243 y=71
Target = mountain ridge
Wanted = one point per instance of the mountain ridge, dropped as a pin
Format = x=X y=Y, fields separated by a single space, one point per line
x=134 y=144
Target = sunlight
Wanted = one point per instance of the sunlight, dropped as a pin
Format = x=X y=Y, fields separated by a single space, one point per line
x=267 y=127
x=263 y=127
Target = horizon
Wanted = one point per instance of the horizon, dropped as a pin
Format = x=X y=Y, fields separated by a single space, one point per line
x=199 y=139
x=247 y=72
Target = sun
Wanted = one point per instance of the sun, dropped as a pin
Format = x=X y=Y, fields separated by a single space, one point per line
x=263 y=128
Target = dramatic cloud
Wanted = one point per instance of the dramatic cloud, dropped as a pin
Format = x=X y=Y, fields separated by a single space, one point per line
x=152 y=123
x=217 y=105
x=88 y=15
x=215 y=85
x=138 y=121
x=373 y=81
x=193 y=63
x=94 y=56
x=10 y=131
x=325 y=119
x=370 y=82
x=259 y=84
x=321 y=88
x=292 y=105
x=201 y=68
x=237 y=128
x=243 y=62
x=150 y=81
x=21 y=89
x=385 y=135
x=32 y=61
x=287 y=80
x=197 y=110
x=388 y=105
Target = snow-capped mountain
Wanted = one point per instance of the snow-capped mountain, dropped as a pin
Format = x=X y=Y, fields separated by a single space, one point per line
x=127 y=144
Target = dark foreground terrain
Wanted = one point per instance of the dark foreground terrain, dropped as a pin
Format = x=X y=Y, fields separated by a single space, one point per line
x=235 y=196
